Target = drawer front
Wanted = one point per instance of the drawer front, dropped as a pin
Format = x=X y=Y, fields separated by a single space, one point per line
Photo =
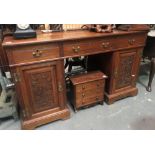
x=90 y=86
x=75 y=48
x=133 y=40
x=35 y=53
x=90 y=93
x=119 y=42
x=88 y=99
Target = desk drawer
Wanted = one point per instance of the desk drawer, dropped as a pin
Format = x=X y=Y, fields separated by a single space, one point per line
x=34 y=53
x=118 y=42
x=76 y=48
x=134 y=40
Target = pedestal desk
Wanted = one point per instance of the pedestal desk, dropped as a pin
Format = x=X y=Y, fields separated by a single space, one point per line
x=37 y=68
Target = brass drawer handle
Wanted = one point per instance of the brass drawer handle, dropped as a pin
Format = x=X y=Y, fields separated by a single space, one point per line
x=37 y=53
x=76 y=49
x=131 y=41
x=105 y=45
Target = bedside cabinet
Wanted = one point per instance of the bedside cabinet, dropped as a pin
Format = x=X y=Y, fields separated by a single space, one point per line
x=87 y=89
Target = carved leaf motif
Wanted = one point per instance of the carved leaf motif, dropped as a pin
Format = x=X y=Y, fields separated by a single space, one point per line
x=42 y=88
x=125 y=71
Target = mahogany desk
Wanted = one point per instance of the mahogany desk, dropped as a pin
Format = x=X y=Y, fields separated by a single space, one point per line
x=37 y=67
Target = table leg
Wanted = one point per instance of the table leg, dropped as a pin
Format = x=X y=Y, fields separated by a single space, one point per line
x=152 y=72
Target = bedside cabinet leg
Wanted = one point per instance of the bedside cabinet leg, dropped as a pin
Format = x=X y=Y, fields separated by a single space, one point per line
x=102 y=102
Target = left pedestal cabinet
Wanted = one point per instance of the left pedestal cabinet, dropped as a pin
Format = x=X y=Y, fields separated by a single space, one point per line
x=41 y=91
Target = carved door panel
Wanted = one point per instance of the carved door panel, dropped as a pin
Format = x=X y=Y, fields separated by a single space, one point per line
x=125 y=70
x=41 y=85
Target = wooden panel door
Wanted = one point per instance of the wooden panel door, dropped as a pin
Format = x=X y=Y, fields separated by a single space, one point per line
x=41 y=88
x=126 y=67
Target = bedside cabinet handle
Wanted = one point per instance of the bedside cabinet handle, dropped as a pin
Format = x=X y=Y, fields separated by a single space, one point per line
x=37 y=53
x=131 y=41
x=76 y=49
x=105 y=45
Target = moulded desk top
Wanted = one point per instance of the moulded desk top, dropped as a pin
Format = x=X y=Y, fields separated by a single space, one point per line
x=62 y=36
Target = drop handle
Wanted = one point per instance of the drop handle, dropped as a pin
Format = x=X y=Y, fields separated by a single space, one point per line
x=76 y=49
x=37 y=53
x=131 y=41
x=105 y=45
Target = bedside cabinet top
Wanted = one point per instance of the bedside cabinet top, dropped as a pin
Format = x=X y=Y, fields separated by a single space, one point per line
x=87 y=77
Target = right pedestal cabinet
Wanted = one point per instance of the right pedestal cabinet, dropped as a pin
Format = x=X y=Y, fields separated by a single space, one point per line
x=122 y=68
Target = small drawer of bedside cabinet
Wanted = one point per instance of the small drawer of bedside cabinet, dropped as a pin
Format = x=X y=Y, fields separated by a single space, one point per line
x=87 y=89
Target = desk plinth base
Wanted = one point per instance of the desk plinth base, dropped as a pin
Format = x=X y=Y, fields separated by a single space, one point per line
x=111 y=98
x=33 y=123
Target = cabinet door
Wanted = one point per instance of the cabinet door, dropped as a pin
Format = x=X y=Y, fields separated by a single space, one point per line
x=125 y=69
x=42 y=88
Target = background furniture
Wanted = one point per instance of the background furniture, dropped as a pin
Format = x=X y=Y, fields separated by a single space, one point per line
x=37 y=67
x=4 y=65
x=87 y=89
x=8 y=101
x=149 y=52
